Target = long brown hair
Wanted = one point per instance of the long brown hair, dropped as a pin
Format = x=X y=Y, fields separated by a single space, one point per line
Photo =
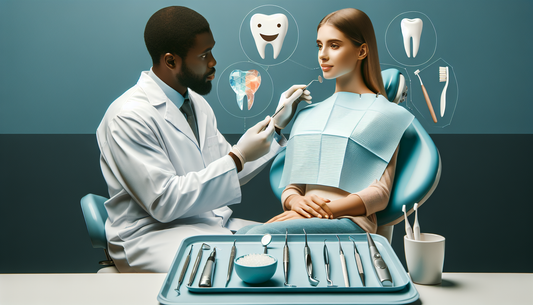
x=356 y=25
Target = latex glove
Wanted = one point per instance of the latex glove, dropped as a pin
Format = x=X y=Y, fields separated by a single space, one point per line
x=255 y=142
x=289 y=100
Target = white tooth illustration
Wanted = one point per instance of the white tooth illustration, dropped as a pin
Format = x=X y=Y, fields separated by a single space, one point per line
x=269 y=29
x=411 y=28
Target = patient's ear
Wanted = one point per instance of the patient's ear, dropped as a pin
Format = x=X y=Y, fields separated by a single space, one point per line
x=363 y=51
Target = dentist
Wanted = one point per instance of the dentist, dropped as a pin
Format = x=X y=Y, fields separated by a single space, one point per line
x=170 y=172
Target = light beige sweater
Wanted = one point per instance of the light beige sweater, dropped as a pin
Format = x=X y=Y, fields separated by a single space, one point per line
x=375 y=197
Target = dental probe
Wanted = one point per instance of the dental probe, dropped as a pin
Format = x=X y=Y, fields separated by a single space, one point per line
x=379 y=264
x=230 y=264
x=286 y=262
x=343 y=263
x=314 y=80
x=183 y=270
x=358 y=262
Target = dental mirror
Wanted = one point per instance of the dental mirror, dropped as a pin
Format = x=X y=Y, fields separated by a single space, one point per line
x=265 y=241
x=320 y=80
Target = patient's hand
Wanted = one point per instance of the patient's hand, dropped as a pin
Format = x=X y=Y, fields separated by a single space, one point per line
x=287 y=215
x=310 y=206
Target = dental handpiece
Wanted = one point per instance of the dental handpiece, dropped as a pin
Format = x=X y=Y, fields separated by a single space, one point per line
x=309 y=263
x=379 y=264
x=206 y=280
x=286 y=262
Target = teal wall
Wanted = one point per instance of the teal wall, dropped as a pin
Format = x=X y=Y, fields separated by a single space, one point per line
x=63 y=62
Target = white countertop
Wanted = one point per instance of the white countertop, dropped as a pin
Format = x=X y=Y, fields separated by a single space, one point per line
x=105 y=288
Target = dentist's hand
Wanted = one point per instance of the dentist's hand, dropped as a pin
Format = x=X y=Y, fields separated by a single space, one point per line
x=290 y=100
x=255 y=142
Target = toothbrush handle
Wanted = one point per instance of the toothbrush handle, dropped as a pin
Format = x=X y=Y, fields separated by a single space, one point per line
x=443 y=100
x=430 y=106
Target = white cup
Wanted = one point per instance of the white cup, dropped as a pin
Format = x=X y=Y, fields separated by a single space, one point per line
x=425 y=258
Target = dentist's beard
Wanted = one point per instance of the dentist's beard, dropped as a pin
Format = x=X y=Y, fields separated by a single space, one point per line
x=198 y=84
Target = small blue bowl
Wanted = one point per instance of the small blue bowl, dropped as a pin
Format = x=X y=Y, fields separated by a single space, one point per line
x=256 y=274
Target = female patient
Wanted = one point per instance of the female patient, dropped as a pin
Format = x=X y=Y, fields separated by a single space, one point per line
x=342 y=152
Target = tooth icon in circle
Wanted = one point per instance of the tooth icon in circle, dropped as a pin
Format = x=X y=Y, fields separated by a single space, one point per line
x=411 y=29
x=269 y=29
x=245 y=83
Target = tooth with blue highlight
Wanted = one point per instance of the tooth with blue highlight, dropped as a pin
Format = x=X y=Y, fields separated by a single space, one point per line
x=411 y=29
x=269 y=29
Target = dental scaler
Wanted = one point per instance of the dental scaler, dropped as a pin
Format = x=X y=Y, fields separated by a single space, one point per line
x=286 y=262
x=379 y=264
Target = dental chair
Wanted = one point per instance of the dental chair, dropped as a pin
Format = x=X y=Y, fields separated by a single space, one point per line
x=95 y=216
x=418 y=166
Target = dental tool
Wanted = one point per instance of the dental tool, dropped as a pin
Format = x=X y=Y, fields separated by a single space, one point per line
x=416 y=226
x=309 y=263
x=426 y=96
x=408 y=230
x=358 y=262
x=379 y=264
x=326 y=264
x=265 y=240
x=286 y=262
x=444 y=76
x=183 y=270
x=230 y=264
x=319 y=79
x=343 y=263
x=206 y=280
x=197 y=262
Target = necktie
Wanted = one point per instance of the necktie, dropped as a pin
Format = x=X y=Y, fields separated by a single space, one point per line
x=186 y=108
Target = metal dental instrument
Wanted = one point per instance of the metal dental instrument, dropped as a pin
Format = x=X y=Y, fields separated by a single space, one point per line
x=206 y=280
x=197 y=262
x=326 y=264
x=343 y=263
x=183 y=270
x=358 y=262
x=314 y=80
x=267 y=238
x=286 y=262
x=379 y=264
x=230 y=264
x=309 y=263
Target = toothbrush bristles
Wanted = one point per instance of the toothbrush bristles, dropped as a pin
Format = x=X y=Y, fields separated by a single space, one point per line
x=443 y=74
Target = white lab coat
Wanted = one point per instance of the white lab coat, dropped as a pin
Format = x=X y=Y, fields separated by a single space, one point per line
x=163 y=185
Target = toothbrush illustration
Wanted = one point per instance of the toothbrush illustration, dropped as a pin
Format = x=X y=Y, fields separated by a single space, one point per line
x=428 y=101
x=443 y=77
x=416 y=226
x=408 y=229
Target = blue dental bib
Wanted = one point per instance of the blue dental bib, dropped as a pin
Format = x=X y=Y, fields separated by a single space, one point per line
x=345 y=141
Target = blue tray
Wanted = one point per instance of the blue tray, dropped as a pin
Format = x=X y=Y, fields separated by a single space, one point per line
x=239 y=292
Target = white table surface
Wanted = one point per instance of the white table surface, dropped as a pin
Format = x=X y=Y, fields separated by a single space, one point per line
x=57 y=289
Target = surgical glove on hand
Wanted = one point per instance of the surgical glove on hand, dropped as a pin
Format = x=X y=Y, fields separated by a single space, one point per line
x=255 y=142
x=289 y=100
